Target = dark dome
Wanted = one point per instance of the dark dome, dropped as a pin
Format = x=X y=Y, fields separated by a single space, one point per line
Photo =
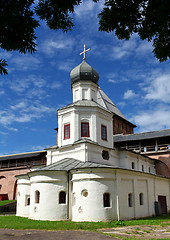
x=84 y=72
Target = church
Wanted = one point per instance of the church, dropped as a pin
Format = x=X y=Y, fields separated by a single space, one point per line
x=87 y=177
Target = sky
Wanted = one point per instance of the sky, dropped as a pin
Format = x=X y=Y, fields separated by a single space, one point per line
x=38 y=84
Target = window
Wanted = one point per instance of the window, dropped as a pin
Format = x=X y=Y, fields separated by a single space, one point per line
x=66 y=131
x=84 y=94
x=62 y=197
x=106 y=199
x=104 y=132
x=37 y=197
x=27 y=200
x=105 y=155
x=85 y=129
x=141 y=198
x=130 y=200
x=133 y=165
x=142 y=168
x=84 y=193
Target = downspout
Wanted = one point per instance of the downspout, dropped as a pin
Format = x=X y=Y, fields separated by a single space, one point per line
x=68 y=194
x=117 y=197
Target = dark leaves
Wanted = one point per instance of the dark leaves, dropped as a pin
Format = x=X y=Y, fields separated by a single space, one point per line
x=3 y=64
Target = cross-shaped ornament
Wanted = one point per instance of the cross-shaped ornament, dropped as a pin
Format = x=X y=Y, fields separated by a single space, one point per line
x=84 y=52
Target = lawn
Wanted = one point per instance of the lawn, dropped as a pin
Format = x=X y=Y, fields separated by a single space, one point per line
x=14 y=222
x=4 y=202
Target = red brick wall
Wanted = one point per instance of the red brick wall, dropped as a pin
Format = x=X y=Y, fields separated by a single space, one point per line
x=163 y=167
x=8 y=181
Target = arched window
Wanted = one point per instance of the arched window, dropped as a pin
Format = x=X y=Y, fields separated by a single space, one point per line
x=106 y=200
x=37 y=196
x=62 y=197
x=130 y=200
x=85 y=129
x=133 y=165
x=142 y=168
x=141 y=198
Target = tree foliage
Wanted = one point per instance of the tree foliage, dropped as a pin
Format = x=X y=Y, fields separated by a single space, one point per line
x=150 y=19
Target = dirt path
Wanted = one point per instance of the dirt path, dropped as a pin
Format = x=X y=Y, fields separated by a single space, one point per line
x=9 y=234
x=138 y=232
x=141 y=232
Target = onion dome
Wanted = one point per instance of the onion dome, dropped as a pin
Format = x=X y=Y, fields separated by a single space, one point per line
x=84 y=72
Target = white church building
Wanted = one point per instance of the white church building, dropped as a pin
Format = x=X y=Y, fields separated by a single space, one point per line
x=86 y=178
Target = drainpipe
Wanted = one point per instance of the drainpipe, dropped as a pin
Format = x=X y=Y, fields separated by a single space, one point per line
x=117 y=197
x=68 y=194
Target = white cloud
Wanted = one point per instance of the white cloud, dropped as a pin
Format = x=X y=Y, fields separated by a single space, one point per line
x=25 y=62
x=123 y=48
x=56 y=43
x=144 y=48
x=129 y=94
x=66 y=65
x=24 y=111
x=159 y=88
x=112 y=80
x=39 y=148
x=55 y=85
x=152 y=120
x=88 y=8
x=2 y=92
x=29 y=86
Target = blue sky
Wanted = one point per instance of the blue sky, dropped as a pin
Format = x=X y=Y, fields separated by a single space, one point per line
x=38 y=84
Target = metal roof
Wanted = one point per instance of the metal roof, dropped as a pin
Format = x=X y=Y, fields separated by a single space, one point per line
x=107 y=103
x=84 y=72
x=142 y=136
x=85 y=103
x=67 y=164
x=21 y=155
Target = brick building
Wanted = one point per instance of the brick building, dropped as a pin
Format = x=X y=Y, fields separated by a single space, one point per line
x=16 y=164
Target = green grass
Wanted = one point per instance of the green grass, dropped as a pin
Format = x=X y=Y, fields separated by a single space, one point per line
x=14 y=222
x=6 y=202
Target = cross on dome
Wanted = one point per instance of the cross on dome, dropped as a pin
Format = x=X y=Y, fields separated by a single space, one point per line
x=84 y=52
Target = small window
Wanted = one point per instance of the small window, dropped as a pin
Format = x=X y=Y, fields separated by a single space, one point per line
x=130 y=200
x=37 y=197
x=62 y=197
x=0 y=186
x=84 y=193
x=27 y=200
x=105 y=155
x=104 y=132
x=66 y=131
x=142 y=168
x=133 y=165
x=106 y=199
x=149 y=169
x=85 y=129
x=84 y=94
x=141 y=198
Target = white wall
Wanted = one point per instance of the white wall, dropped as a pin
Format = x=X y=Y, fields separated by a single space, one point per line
x=49 y=184
x=84 y=90
x=23 y=185
x=90 y=207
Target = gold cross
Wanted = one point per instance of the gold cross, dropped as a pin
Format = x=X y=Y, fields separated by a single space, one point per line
x=84 y=52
